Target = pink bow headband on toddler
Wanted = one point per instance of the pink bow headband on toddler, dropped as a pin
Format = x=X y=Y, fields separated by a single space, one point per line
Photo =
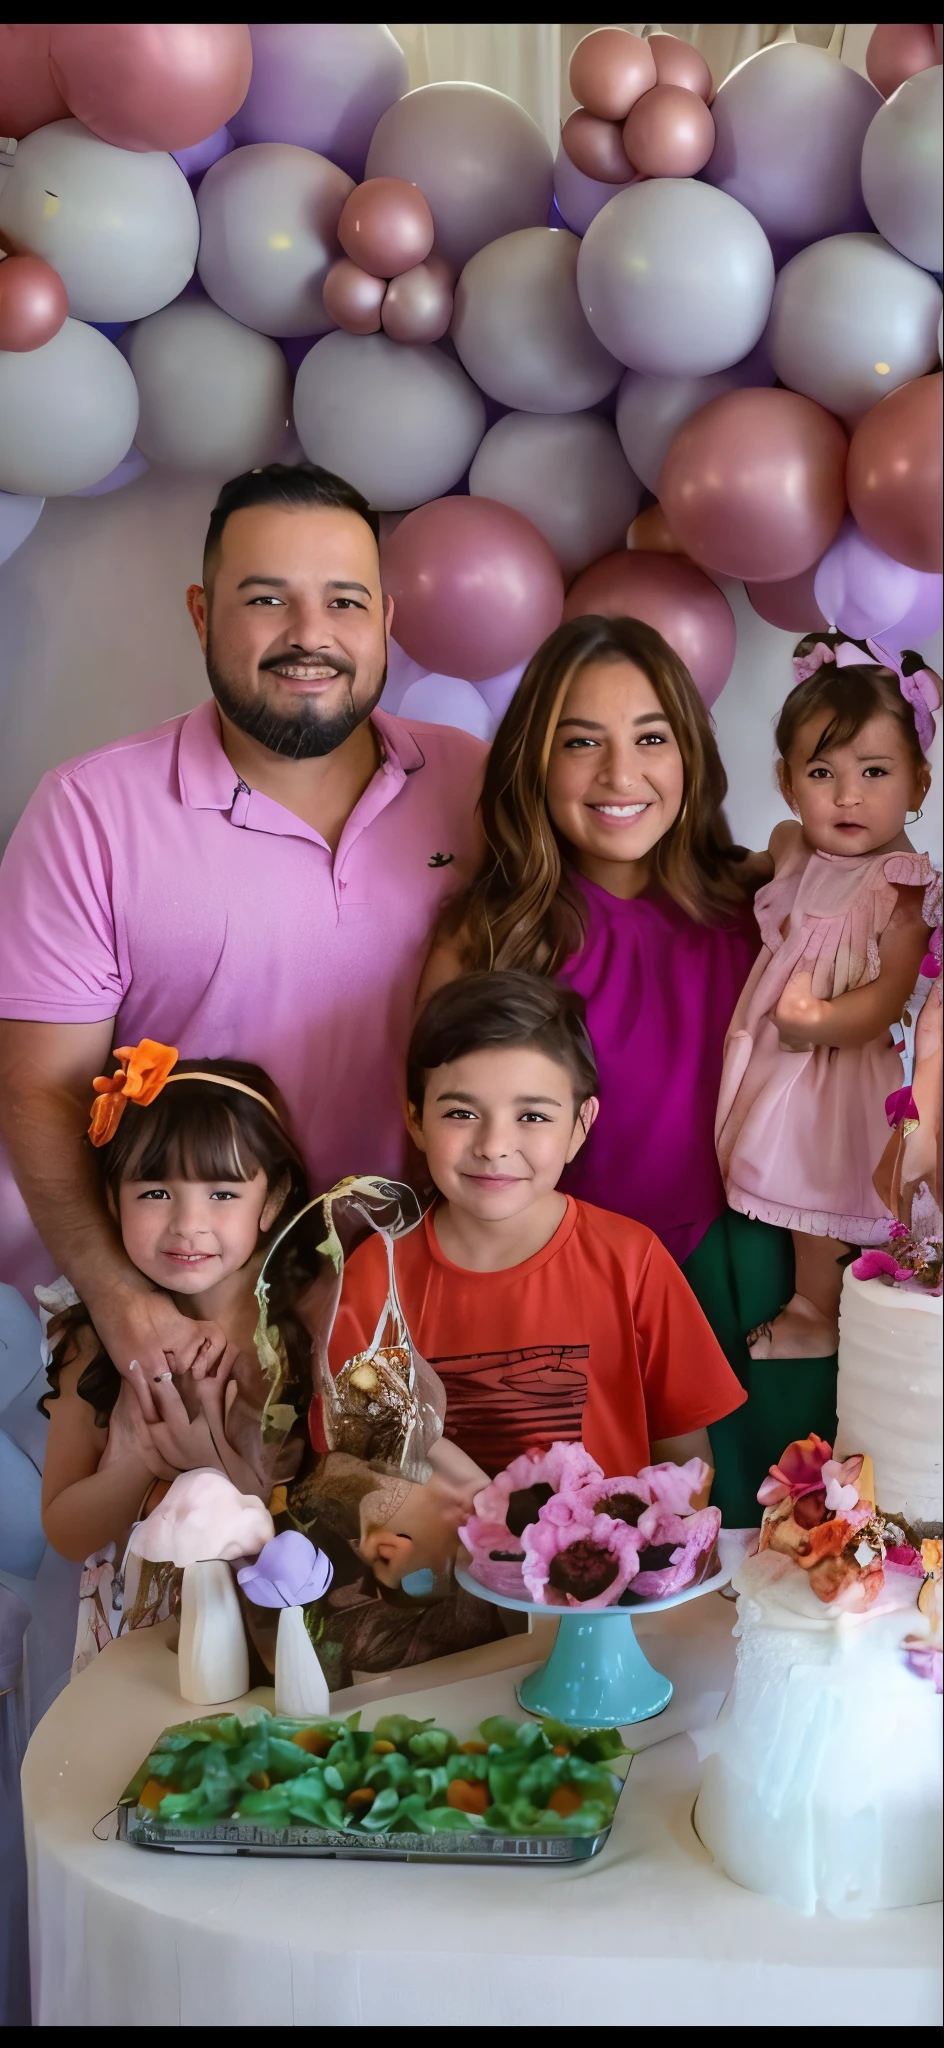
x=919 y=688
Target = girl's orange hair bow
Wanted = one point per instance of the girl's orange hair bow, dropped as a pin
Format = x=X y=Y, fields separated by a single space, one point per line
x=143 y=1070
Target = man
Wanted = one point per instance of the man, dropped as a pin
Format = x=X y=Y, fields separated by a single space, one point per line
x=259 y=878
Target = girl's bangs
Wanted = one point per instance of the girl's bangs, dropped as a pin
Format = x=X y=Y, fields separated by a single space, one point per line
x=185 y=1136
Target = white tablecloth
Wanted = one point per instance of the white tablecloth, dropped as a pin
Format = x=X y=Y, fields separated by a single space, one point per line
x=649 y=1932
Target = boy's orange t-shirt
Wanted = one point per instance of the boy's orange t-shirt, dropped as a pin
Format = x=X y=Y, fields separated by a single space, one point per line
x=597 y=1337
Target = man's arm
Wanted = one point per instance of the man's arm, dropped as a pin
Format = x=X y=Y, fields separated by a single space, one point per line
x=45 y=1089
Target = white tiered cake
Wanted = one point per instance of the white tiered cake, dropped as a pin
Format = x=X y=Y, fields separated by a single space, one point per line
x=891 y=1394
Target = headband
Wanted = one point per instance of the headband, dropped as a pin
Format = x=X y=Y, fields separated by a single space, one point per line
x=919 y=687
x=144 y=1070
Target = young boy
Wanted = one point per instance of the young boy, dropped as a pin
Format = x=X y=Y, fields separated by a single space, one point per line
x=545 y=1318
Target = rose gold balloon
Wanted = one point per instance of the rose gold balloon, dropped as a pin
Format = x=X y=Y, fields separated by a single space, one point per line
x=650 y=531
x=386 y=226
x=352 y=298
x=608 y=71
x=29 y=97
x=596 y=148
x=669 y=593
x=894 y=475
x=418 y=305
x=791 y=605
x=897 y=50
x=753 y=485
x=152 y=85
x=34 y=303
x=669 y=134
x=677 y=63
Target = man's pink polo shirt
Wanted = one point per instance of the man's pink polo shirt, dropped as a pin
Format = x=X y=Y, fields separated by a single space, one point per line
x=144 y=882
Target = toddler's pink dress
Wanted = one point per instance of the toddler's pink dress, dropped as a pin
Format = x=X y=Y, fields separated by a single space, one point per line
x=800 y=1134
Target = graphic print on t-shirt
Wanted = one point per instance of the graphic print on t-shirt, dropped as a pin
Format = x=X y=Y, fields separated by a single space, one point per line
x=500 y=1403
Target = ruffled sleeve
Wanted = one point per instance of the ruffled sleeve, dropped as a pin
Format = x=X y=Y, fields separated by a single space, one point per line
x=914 y=871
x=772 y=906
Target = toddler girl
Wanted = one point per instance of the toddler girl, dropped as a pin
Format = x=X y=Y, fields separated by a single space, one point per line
x=810 y=1057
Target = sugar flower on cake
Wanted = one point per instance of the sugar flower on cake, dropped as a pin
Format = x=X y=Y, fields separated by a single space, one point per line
x=820 y=1511
x=579 y=1563
x=203 y=1516
x=675 y=1551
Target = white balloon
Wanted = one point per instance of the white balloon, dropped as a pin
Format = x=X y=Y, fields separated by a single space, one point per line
x=119 y=225
x=852 y=320
x=268 y=235
x=68 y=413
x=650 y=410
x=400 y=423
x=215 y=397
x=447 y=700
x=566 y=473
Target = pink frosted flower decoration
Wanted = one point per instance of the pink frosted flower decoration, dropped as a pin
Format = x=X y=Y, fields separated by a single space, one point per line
x=581 y=1564
x=675 y=1486
x=495 y=1556
x=563 y=1466
x=675 y=1551
x=842 y=1493
x=798 y=1471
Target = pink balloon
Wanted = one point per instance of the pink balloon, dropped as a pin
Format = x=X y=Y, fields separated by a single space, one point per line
x=352 y=298
x=669 y=133
x=791 y=605
x=475 y=586
x=753 y=485
x=897 y=50
x=34 y=303
x=677 y=63
x=152 y=85
x=596 y=147
x=418 y=306
x=894 y=475
x=29 y=97
x=386 y=226
x=608 y=71
x=860 y=589
x=669 y=593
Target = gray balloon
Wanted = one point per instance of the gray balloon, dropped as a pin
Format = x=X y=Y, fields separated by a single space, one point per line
x=68 y=413
x=215 y=397
x=268 y=235
x=675 y=278
x=519 y=327
x=567 y=474
x=789 y=128
x=401 y=423
x=851 y=320
x=650 y=410
x=902 y=169
x=482 y=163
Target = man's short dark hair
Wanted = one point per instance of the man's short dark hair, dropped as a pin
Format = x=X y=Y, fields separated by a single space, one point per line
x=507 y=1008
x=293 y=486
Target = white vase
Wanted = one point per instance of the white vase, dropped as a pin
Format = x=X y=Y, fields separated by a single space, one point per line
x=212 y=1656
x=300 y=1687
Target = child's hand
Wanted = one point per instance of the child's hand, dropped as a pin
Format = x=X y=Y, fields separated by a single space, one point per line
x=799 y=1015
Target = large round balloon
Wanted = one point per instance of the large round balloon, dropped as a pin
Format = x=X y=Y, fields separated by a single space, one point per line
x=567 y=473
x=321 y=84
x=215 y=397
x=850 y=321
x=650 y=410
x=519 y=327
x=18 y=516
x=151 y=85
x=669 y=593
x=898 y=49
x=675 y=278
x=791 y=604
x=477 y=157
x=860 y=589
x=29 y=96
x=789 y=126
x=894 y=475
x=33 y=302
x=902 y=169
x=119 y=226
x=68 y=413
x=579 y=199
x=448 y=700
x=269 y=235
x=475 y=587
x=754 y=484
x=400 y=423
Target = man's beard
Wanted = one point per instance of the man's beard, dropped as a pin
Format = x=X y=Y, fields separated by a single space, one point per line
x=303 y=735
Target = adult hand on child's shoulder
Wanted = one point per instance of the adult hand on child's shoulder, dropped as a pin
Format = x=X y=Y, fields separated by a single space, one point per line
x=130 y=1436
x=145 y=1335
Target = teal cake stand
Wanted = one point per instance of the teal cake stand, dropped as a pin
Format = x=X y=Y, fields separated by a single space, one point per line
x=597 y=1675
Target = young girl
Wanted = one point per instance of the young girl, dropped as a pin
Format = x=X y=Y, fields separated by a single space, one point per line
x=611 y=867
x=198 y=1168
x=810 y=1057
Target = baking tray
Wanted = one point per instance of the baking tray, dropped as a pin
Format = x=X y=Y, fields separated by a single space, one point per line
x=242 y=1838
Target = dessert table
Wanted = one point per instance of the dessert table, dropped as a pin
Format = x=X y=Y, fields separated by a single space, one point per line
x=649 y=1932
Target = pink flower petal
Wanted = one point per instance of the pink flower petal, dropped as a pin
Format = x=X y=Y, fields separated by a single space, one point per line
x=694 y=1538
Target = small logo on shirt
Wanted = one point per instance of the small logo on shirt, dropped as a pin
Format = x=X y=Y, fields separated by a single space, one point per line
x=440 y=860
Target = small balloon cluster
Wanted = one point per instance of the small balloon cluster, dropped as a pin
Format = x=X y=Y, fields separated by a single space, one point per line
x=388 y=277
x=643 y=109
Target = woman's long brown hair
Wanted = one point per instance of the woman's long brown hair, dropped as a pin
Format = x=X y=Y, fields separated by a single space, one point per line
x=524 y=909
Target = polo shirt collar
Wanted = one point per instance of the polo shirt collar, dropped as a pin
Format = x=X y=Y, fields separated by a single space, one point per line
x=208 y=781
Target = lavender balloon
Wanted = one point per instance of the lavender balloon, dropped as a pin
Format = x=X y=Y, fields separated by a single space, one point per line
x=127 y=471
x=448 y=700
x=401 y=423
x=201 y=155
x=288 y=1572
x=789 y=127
x=520 y=330
x=850 y=321
x=579 y=198
x=926 y=614
x=650 y=410
x=861 y=590
x=675 y=278
x=478 y=158
x=322 y=84
x=268 y=236
x=499 y=690
x=566 y=473
x=902 y=169
x=18 y=516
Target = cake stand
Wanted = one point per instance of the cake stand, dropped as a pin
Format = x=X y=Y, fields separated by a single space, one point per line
x=597 y=1676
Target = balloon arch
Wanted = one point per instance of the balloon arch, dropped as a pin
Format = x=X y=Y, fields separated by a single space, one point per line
x=703 y=343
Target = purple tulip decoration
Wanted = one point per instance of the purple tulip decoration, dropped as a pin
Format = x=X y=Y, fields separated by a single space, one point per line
x=288 y=1572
